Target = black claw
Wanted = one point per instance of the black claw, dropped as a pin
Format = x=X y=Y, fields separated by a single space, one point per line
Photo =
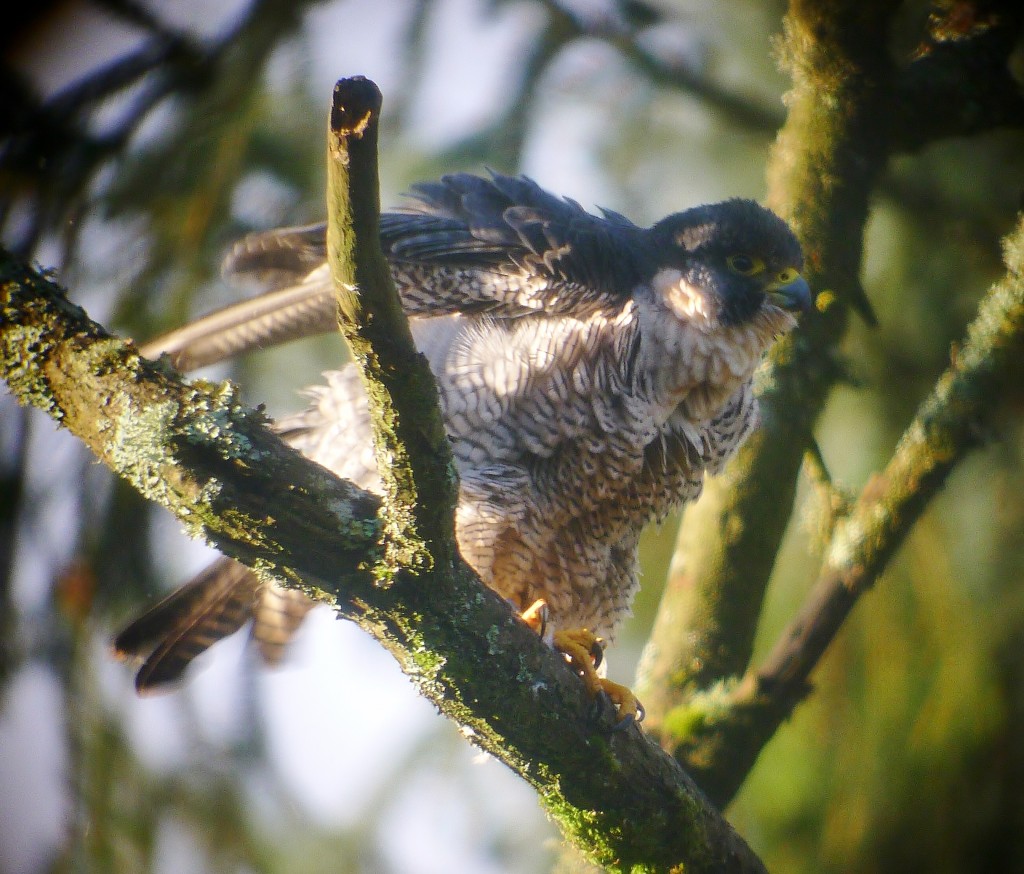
x=603 y=709
x=597 y=652
x=624 y=723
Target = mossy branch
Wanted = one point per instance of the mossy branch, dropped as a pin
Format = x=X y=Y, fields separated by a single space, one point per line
x=413 y=455
x=193 y=448
x=823 y=166
x=722 y=732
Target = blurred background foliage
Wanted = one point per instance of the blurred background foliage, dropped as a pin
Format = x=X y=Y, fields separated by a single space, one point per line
x=140 y=138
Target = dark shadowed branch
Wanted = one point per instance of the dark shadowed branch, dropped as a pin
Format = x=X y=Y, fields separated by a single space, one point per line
x=960 y=83
x=720 y=733
x=195 y=450
x=823 y=168
x=52 y=150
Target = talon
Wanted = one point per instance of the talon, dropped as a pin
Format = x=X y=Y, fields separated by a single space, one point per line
x=597 y=651
x=583 y=650
x=536 y=616
x=626 y=704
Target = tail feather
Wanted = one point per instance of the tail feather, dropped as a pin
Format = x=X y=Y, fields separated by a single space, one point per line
x=289 y=313
x=170 y=635
x=274 y=259
x=277 y=615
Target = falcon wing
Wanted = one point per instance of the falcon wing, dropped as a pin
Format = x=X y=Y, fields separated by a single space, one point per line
x=465 y=244
x=507 y=247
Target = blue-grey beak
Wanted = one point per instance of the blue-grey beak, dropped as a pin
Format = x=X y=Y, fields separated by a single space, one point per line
x=794 y=294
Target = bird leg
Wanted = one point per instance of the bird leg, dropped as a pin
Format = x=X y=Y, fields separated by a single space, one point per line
x=584 y=651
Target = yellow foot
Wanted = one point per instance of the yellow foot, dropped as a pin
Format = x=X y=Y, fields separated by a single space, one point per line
x=583 y=649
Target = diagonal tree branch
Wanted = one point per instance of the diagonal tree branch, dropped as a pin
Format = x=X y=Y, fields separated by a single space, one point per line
x=725 y=730
x=194 y=449
x=823 y=166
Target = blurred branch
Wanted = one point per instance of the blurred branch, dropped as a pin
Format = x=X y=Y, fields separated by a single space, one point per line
x=501 y=144
x=620 y=33
x=195 y=450
x=13 y=470
x=960 y=82
x=951 y=422
x=50 y=148
x=50 y=156
x=833 y=501
x=822 y=170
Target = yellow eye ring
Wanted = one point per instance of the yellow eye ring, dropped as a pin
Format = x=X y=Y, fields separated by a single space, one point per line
x=745 y=265
x=787 y=276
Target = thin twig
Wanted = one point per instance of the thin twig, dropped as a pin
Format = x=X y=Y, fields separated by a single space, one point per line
x=951 y=422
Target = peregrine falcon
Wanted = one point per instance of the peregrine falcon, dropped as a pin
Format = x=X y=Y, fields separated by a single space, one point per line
x=591 y=373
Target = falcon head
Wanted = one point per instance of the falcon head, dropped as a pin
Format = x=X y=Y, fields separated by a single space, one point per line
x=729 y=263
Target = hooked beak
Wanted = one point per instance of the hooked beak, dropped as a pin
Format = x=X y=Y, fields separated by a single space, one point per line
x=794 y=295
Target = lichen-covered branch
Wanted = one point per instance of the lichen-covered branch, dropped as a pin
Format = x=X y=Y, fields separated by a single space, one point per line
x=721 y=732
x=823 y=167
x=622 y=800
x=413 y=455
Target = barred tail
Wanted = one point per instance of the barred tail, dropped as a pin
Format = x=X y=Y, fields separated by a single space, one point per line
x=212 y=606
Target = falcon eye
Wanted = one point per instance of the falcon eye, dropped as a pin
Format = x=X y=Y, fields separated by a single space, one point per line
x=787 y=276
x=745 y=265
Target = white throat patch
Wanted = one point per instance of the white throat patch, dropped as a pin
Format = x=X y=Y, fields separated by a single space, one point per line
x=687 y=301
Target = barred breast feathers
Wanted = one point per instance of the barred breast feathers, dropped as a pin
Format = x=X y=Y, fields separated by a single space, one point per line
x=607 y=383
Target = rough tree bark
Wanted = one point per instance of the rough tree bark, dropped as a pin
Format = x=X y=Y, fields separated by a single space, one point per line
x=849 y=110
x=623 y=801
